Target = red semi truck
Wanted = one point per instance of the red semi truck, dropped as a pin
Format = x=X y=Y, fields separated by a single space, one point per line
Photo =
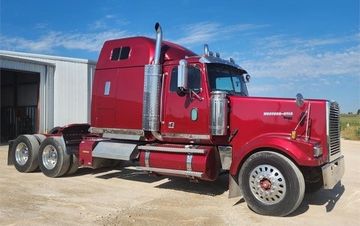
x=171 y=112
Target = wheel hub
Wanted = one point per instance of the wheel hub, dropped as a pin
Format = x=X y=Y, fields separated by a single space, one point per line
x=267 y=184
x=21 y=153
x=49 y=157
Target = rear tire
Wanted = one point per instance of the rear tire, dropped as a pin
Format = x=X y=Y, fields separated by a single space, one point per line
x=271 y=184
x=40 y=138
x=74 y=165
x=54 y=161
x=54 y=130
x=25 y=153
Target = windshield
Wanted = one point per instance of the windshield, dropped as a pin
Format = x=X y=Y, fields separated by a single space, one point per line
x=226 y=78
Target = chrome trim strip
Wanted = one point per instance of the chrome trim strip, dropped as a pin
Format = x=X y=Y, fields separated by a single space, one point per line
x=147 y=159
x=117 y=131
x=169 y=149
x=189 y=162
x=121 y=136
x=328 y=128
x=186 y=136
x=171 y=171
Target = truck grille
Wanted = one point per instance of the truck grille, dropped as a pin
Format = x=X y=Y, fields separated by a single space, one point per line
x=333 y=131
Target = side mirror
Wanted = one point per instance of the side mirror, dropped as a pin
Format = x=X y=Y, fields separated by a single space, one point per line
x=247 y=78
x=182 y=80
x=299 y=100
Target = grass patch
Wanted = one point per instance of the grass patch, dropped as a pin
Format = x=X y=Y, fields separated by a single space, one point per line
x=350 y=126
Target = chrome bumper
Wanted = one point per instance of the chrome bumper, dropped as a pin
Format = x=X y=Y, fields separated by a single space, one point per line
x=333 y=172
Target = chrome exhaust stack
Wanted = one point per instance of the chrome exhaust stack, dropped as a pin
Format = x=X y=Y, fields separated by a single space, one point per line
x=159 y=37
x=152 y=90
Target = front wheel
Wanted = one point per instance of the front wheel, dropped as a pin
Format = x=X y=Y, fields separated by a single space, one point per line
x=271 y=184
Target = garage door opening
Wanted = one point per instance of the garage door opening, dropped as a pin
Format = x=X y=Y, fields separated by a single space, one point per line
x=19 y=103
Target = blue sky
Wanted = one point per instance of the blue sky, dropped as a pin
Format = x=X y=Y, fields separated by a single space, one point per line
x=312 y=47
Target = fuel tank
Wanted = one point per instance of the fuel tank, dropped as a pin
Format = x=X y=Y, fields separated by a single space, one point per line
x=200 y=162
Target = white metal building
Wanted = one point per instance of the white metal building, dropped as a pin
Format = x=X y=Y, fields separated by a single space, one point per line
x=39 y=92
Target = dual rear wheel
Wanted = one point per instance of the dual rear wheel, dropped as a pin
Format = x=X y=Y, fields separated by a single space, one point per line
x=50 y=156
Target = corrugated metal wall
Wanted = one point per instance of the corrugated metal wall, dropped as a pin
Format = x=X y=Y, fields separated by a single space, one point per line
x=72 y=83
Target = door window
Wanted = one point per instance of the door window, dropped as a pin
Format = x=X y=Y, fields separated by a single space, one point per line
x=193 y=79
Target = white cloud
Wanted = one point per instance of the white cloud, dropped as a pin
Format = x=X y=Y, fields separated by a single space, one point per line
x=107 y=22
x=91 y=42
x=280 y=57
x=203 y=32
x=198 y=33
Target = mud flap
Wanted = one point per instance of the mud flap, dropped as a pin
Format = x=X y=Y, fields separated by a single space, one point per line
x=234 y=188
x=10 y=160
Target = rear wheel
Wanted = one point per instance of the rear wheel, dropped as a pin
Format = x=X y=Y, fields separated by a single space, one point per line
x=74 y=165
x=53 y=159
x=271 y=184
x=25 y=153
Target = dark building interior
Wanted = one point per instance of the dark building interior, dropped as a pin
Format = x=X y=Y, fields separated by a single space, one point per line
x=19 y=103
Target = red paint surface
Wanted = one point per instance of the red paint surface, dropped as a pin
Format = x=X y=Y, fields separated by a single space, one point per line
x=177 y=109
x=258 y=131
x=85 y=151
x=122 y=108
x=207 y=163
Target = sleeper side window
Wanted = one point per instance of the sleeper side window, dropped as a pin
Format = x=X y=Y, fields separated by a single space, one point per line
x=120 y=53
x=193 y=79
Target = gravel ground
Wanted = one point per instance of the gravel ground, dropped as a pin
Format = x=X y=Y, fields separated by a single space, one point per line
x=128 y=197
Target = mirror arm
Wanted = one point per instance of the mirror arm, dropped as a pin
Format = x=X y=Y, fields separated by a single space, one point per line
x=193 y=93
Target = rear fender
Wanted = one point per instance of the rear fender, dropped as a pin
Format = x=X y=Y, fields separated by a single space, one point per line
x=61 y=141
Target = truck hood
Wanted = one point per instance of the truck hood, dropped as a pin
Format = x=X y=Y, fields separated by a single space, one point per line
x=255 y=116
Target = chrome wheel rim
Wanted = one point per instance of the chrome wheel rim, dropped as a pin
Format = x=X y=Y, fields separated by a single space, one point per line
x=22 y=153
x=49 y=157
x=267 y=184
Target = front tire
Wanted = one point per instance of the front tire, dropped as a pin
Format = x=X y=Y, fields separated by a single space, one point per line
x=271 y=184
x=54 y=161
x=25 y=153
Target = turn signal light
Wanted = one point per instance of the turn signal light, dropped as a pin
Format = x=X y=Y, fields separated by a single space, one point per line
x=293 y=135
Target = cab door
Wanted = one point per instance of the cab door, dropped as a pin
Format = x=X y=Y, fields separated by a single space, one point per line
x=186 y=115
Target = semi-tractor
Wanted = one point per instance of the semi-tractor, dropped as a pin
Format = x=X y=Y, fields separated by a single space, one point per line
x=168 y=111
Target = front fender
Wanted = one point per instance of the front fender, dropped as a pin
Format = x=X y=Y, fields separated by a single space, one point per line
x=299 y=151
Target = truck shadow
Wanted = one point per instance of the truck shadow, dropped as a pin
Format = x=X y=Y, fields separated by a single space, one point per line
x=329 y=198
x=126 y=174
x=214 y=188
x=210 y=188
